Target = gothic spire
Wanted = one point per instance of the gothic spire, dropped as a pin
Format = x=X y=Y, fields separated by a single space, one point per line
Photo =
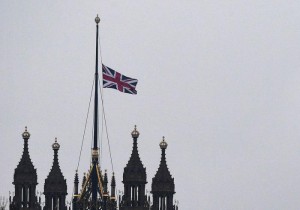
x=113 y=187
x=163 y=187
x=163 y=174
x=25 y=181
x=25 y=165
x=76 y=182
x=134 y=179
x=55 y=188
x=134 y=170
x=105 y=182
x=55 y=172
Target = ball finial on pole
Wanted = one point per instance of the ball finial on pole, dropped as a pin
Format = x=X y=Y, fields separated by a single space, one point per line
x=97 y=19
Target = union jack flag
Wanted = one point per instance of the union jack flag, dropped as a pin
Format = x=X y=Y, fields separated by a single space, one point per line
x=115 y=80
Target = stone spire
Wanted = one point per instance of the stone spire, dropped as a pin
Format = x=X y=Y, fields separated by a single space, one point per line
x=105 y=182
x=76 y=191
x=134 y=179
x=163 y=187
x=25 y=165
x=55 y=188
x=76 y=182
x=134 y=164
x=113 y=187
x=25 y=181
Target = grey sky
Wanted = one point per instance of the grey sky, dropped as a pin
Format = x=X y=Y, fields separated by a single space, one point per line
x=219 y=79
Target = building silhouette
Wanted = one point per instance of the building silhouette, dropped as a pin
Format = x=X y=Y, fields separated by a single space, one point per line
x=55 y=186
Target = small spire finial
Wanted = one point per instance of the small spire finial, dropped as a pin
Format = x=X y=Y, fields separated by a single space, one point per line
x=55 y=145
x=163 y=144
x=97 y=19
x=135 y=133
x=25 y=134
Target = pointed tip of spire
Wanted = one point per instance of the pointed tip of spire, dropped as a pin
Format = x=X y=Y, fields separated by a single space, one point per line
x=113 y=175
x=113 y=180
x=105 y=177
x=76 y=177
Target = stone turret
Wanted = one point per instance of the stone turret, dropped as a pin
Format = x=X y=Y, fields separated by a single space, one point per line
x=134 y=179
x=55 y=188
x=25 y=181
x=163 y=187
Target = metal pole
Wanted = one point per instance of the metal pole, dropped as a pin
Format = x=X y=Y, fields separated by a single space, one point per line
x=95 y=148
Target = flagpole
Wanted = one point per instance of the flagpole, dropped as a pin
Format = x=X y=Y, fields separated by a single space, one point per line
x=97 y=20
x=95 y=153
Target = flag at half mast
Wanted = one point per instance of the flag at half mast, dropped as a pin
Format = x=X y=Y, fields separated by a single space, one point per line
x=115 y=80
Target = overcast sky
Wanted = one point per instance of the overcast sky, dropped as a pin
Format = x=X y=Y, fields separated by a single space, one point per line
x=219 y=79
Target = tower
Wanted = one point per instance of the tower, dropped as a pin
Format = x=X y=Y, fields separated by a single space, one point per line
x=25 y=181
x=163 y=187
x=134 y=180
x=55 y=188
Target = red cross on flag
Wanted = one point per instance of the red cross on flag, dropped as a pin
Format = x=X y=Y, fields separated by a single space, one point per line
x=115 y=80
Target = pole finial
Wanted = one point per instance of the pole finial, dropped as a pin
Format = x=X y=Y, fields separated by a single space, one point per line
x=97 y=19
